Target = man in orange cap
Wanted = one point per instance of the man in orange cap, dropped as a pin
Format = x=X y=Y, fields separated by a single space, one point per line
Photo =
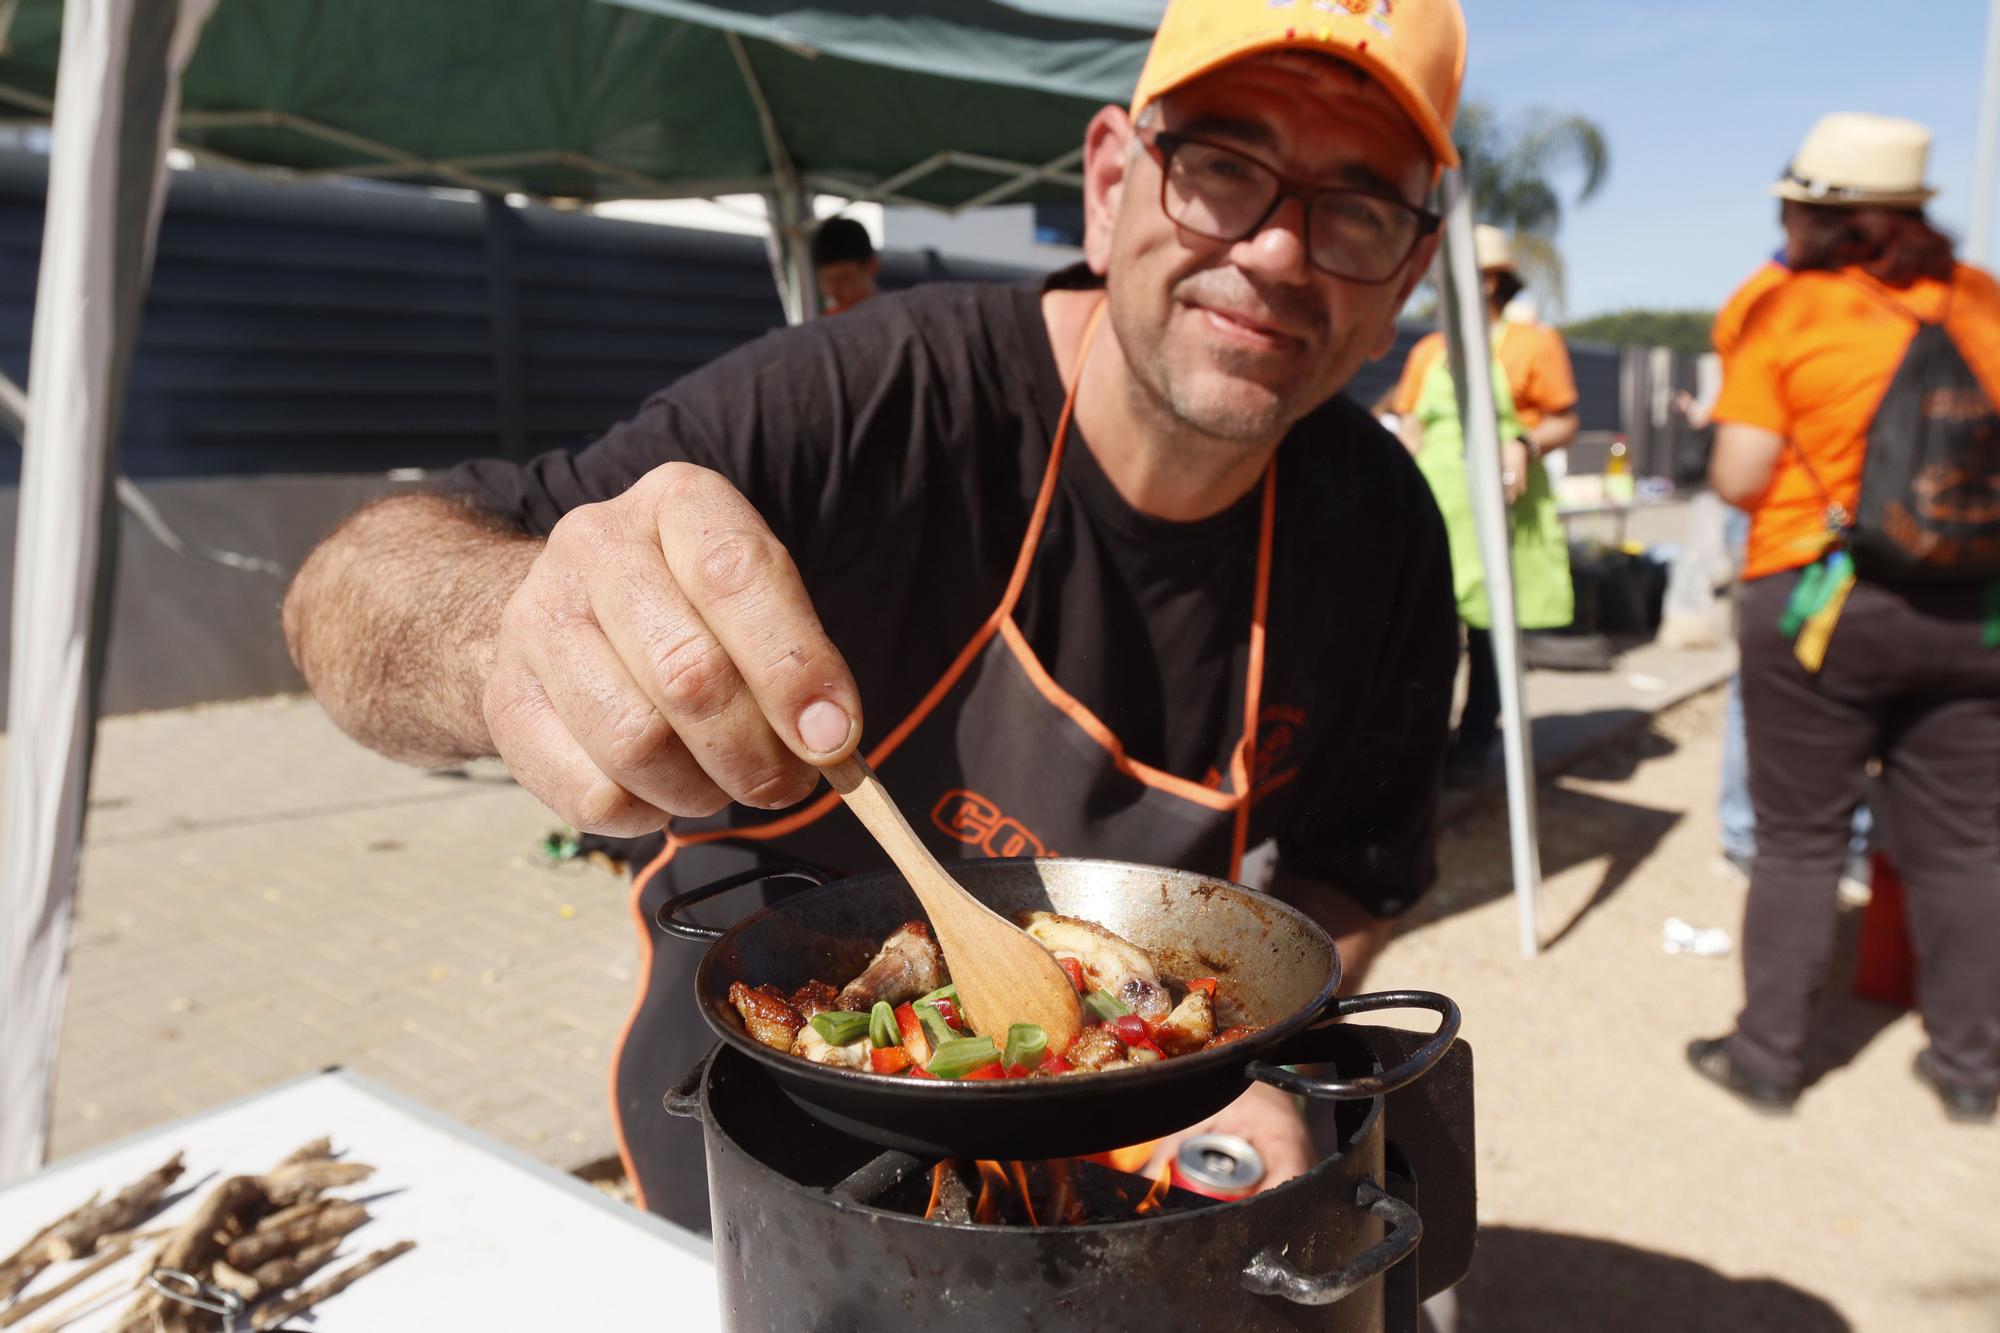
x=1115 y=568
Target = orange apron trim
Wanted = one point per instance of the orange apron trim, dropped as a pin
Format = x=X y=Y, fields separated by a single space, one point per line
x=1001 y=623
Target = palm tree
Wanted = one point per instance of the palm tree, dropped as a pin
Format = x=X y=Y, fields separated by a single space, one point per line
x=1510 y=166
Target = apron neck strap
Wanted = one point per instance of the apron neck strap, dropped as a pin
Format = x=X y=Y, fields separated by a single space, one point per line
x=1046 y=496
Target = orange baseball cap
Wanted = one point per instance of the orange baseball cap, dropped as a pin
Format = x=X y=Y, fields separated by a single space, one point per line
x=1416 y=48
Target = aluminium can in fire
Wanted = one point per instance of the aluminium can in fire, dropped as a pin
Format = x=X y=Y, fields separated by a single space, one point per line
x=1220 y=1166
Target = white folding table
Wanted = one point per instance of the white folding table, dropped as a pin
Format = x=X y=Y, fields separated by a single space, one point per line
x=503 y=1242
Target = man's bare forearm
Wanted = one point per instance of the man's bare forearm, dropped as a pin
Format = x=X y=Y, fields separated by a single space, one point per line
x=392 y=621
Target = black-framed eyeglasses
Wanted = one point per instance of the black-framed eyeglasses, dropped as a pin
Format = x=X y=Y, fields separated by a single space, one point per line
x=1227 y=195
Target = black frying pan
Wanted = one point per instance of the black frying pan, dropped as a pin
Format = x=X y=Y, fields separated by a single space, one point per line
x=1276 y=969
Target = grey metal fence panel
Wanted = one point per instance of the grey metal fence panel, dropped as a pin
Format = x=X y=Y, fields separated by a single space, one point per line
x=317 y=328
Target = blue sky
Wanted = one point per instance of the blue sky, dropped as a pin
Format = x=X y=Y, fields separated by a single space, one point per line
x=1703 y=103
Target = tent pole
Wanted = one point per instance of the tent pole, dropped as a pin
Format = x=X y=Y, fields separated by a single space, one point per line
x=1985 y=169
x=790 y=207
x=1464 y=320
x=116 y=96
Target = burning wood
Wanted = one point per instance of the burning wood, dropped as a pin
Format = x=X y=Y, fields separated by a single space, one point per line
x=1064 y=1192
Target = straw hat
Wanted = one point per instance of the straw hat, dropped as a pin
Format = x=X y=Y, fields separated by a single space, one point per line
x=1492 y=249
x=1851 y=158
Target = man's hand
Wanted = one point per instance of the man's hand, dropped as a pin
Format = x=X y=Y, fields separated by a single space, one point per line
x=1514 y=468
x=1268 y=1120
x=662 y=658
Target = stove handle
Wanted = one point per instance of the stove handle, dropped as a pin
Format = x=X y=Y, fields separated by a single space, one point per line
x=1371 y=1085
x=668 y=917
x=1269 y=1275
x=685 y=1098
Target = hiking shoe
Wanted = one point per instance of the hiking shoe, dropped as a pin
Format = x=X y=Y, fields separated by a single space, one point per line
x=1967 y=1106
x=1711 y=1059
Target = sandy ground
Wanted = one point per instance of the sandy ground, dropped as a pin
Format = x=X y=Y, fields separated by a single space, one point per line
x=1617 y=1190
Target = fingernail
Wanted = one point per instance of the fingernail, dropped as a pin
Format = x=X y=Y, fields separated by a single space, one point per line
x=824 y=727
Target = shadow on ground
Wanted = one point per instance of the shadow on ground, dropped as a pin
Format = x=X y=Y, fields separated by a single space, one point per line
x=1525 y=1281
x=1574 y=827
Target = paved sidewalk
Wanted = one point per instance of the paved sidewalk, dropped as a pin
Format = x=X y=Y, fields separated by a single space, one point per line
x=261 y=897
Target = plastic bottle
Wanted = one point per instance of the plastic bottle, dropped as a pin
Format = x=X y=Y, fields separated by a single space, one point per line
x=1618 y=486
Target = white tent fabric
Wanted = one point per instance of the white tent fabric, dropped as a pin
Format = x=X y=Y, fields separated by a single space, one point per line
x=113 y=122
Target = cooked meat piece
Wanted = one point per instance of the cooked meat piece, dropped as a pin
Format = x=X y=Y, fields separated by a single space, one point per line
x=766 y=1014
x=1097 y=1048
x=1148 y=999
x=907 y=965
x=811 y=1046
x=1188 y=1027
x=815 y=997
x=1227 y=1035
x=1110 y=963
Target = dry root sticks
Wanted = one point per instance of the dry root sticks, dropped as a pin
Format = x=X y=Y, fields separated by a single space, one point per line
x=259 y=1237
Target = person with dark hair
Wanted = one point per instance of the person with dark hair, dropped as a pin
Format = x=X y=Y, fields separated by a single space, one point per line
x=846 y=264
x=1535 y=395
x=1857 y=425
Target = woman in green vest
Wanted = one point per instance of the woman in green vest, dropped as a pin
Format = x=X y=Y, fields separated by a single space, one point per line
x=1534 y=395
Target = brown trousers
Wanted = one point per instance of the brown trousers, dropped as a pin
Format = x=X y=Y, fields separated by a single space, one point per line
x=1907 y=682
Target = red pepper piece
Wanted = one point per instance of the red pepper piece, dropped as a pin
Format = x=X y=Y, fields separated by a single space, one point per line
x=1132 y=1029
x=918 y=1071
x=1148 y=1045
x=889 y=1059
x=915 y=1041
x=1075 y=971
x=1055 y=1064
x=984 y=1071
x=949 y=1012
x=1206 y=985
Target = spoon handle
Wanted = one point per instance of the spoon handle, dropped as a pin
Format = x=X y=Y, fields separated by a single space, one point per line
x=883 y=818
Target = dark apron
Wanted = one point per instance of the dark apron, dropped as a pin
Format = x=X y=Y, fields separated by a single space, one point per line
x=996 y=760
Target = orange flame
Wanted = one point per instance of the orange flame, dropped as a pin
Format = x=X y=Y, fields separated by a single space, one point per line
x=1130 y=1159
x=1064 y=1208
x=1153 y=1196
x=992 y=1182
x=937 y=1186
x=1021 y=1184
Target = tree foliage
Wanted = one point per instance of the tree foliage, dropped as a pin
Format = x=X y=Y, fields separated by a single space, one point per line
x=1685 y=331
x=1512 y=165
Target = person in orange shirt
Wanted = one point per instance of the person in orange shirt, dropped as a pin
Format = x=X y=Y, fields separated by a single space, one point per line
x=1540 y=388
x=1904 y=670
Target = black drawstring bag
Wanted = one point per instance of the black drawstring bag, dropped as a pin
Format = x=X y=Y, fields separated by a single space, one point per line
x=1930 y=487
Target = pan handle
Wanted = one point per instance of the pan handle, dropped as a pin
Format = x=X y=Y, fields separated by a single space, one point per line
x=668 y=917
x=1372 y=1085
x=1269 y=1275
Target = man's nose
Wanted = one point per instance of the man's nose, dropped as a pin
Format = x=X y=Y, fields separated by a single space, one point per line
x=1278 y=250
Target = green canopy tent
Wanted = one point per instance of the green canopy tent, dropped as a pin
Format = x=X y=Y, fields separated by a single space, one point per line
x=950 y=104
x=947 y=104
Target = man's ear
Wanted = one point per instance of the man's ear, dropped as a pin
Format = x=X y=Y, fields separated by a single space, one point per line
x=1419 y=268
x=1106 y=158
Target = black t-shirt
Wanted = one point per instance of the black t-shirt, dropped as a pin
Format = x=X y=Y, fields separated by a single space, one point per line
x=897 y=451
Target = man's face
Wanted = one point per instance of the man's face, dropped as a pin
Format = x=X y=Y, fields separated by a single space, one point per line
x=1239 y=340
x=847 y=281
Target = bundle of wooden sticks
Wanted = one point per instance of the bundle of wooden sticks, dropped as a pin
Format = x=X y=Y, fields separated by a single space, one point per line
x=257 y=1237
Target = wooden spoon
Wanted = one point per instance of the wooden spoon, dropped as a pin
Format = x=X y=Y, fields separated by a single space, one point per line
x=1003 y=976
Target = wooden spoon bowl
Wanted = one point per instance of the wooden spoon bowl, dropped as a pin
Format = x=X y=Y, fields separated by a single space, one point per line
x=1003 y=976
